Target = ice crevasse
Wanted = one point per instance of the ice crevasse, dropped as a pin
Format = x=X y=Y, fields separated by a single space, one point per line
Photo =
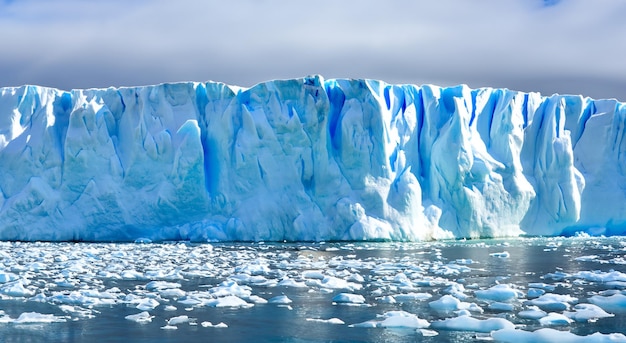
x=307 y=160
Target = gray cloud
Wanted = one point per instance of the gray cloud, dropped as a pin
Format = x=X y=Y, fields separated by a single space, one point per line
x=568 y=46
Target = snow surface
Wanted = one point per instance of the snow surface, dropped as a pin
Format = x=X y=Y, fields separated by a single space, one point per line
x=307 y=159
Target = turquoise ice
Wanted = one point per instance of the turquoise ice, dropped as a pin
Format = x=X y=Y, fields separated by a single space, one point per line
x=307 y=159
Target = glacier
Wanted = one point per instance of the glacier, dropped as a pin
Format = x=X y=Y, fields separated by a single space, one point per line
x=307 y=159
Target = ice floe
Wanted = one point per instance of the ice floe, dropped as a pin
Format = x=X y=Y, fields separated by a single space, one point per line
x=615 y=303
x=395 y=319
x=336 y=321
x=467 y=323
x=349 y=298
x=141 y=318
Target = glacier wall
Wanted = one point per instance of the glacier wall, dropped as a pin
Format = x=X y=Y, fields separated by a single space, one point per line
x=307 y=159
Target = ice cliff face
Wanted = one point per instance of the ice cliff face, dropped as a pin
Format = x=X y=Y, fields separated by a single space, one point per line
x=307 y=159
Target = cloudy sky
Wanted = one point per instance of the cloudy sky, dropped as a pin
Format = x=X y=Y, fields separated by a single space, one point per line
x=550 y=46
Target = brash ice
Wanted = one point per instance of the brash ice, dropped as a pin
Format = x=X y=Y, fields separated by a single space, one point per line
x=307 y=159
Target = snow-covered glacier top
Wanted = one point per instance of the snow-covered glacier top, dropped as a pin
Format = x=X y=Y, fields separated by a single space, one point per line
x=307 y=159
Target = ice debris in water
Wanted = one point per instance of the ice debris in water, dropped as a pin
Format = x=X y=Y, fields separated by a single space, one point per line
x=395 y=319
x=349 y=298
x=142 y=317
x=553 y=302
x=553 y=319
x=280 y=300
x=31 y=318
x=467 y=323
x=500 y=293
x=336 y=321
x=177 y=284
x=615 y=303
x=449 y=303
x=587 y=313
x=211 y=325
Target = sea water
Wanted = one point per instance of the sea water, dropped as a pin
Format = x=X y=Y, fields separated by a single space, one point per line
x=452 y=291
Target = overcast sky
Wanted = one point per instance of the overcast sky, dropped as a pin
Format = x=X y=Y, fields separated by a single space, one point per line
x=550 y=46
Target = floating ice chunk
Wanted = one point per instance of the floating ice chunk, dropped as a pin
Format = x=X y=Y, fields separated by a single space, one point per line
x=532 y=313
x=77 y=310
x=147 y=304
x=500 y=293
x=169 y=327
x=313 y=274
x=337 y=283
x=598 y=276
x=4 y=319
x=467 y=323
x=503 y=254
x=553 y=302
x=449 y=303
x=615 y=303
x=256 y=299
x=451 y=269
x=587 y=313
x=355 y=278
x=169 y=308
x=160 y=285
x=254 y=269
x=228 y=301
x=446 y=303
x=161 y=274
x=249 y=279
x=230 y=287
x=7 y=277
x=544 y=286
x=132 y=275
x=395 y=319
x=387 y=299
x=141 y=318
x=428 y=333
x=548 y=335
x=406 y=297
x=553 y=319
x=36 y=318
x=557 y=276
x=402 y=279
x=586 y=258
x=616 y=284
x=74 y=298
x=280 y=299
x=349 y=298
x=457 y=290
x=16 y=289
x=180 y=320
x=504 y=307
x=535 y=292
x=336 y=321
x=172 y=293
x=190 y=301
x=210 y=325
x=288 y=282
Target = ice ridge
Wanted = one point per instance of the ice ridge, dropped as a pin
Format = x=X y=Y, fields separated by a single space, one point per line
x=307 y=160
